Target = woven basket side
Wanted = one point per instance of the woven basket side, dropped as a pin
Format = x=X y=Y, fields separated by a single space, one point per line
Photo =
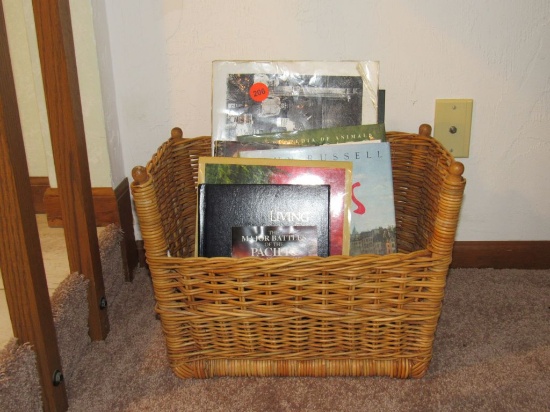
x=167 y=194
x=420 y=164
x=358 y=315
x=185 y=163
x=150 y=219
x=422 y=180
x=269 y=311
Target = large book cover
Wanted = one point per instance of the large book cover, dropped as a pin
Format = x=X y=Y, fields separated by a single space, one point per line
x=253 y=97
x=372 y=225
x=338 y=175
x=374 y=133
x=262 y=220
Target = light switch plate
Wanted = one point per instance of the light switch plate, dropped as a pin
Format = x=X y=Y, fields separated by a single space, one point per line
x=453 y=124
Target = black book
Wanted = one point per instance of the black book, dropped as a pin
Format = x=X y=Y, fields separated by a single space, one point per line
x=263 y=220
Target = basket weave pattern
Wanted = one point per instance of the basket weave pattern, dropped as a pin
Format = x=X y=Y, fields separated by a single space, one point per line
x=340 y=315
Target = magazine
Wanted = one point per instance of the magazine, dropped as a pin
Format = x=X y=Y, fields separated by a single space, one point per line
x=254 y=97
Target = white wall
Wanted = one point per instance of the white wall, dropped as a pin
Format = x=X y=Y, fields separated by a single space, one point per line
x=106 y=87
x=89 y=82
x=28 y=85
x=495 y=52
x=30 y=94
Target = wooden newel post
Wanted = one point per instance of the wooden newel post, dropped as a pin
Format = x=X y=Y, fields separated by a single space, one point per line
x=61 y=89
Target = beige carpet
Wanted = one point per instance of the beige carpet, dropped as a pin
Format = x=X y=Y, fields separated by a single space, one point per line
x=492 y=353
x=56 y=266
x=19 y=382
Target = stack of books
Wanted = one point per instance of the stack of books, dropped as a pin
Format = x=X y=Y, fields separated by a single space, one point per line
x=298 y=167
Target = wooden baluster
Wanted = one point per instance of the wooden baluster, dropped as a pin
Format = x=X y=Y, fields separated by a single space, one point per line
x=59 y=73
x=20 y=253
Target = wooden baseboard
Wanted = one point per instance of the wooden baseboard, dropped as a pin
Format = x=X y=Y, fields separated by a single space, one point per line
x=39 y=185
x=105 y=207
x=502 y=254
x=110 y=207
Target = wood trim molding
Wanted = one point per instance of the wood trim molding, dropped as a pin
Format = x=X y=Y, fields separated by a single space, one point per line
x=39 y=185
x=105 y=207
x=502 y=254
x=126 y=222
x=110 y=207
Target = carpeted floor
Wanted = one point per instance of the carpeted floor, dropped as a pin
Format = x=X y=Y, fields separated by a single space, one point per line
x=492 y=353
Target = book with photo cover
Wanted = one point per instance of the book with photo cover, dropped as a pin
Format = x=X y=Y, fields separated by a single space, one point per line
x=337 y=175
x=265 y=220
x=372 y=224
x=253 y=97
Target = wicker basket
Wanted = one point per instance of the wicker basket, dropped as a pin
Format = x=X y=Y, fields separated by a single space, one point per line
x=340 y=315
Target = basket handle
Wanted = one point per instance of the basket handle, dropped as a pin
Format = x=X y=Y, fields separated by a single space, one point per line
x=450 y=201
x=145 y=201
x=456 y=169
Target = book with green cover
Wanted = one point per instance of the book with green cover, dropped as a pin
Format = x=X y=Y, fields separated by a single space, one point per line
x=372 y=224
x=316 y=137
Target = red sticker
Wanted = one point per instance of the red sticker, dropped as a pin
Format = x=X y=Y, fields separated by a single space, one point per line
x=259 y=92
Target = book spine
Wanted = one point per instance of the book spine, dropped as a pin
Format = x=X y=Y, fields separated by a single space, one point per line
x=200 y=240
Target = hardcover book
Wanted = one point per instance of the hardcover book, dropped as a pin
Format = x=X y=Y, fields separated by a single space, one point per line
x=253 y=97
x=360 y=133
x=372 y=225
x=262 y=220
x=338 y=175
